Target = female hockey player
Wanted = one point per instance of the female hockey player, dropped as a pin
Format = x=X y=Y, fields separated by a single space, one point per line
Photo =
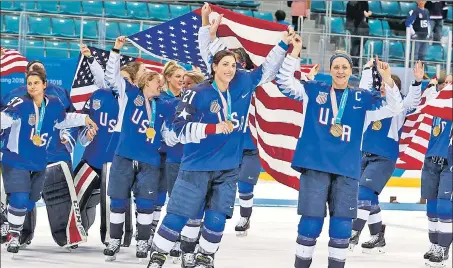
x=209 y=122
x=328 y=151
x=380 y=149
x=191 y=78
x=32 y=119
x=437 y=189
x=136 y=160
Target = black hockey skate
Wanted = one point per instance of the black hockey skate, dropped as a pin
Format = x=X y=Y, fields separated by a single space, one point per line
x=13 y=243
x=4 y=232
x=188 y=260
x=242 y=226
x=175 y=252
x=204 y=261
x=157 y=260
x=354 y=240
x=439 y=256
x=142 y=249
x=376 y=244
x=112 y=249
x=429 y=253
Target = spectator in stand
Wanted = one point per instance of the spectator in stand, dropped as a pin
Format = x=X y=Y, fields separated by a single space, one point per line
x=280 y=16
x=438 y=12
x=357 y=13
x=299 y=8
x=418 y=23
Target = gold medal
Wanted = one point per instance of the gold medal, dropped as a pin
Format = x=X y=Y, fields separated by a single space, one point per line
x=230 y=125
x=336 y=130
x=36 y=140
x=436 y=131
x=150 y=133
x=377 y=125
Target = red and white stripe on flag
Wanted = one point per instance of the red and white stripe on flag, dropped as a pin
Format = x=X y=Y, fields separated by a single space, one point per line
x=275 y=121
x=442 y=105
x=12 y=61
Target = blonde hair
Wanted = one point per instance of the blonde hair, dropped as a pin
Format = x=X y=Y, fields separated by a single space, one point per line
x=196 y=76
x=147 y=76
x=169 y=69
x=132 y=69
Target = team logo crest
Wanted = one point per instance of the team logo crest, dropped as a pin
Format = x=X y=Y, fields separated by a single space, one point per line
x=96 y=104
x=139 y=101
x=215 y=106
x=32 y=120
x=322 y=97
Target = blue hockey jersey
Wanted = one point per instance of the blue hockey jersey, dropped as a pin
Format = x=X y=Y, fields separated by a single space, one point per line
x=173 y=153
x=20 y=116
x=57 y=151
x=102 y=107
x=438 y=146
x=317 y=149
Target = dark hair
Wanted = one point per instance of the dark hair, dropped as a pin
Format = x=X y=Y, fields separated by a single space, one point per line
x=280 y=15
x=33 y=62
x=41 y=75
x=218 y=57
x=397 y=81
x=244 y=58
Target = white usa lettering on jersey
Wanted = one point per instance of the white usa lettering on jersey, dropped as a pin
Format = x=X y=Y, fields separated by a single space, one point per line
x=136 y=119
x=44 y=137
x=237 y=123
x=110 y=124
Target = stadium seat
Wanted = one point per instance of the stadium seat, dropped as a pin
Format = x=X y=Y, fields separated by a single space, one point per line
x=71 y=7
x=431 y=70
x=74 y=49
x=56 y=49
x=9 y=43
x=116 y=9
x=63 y=27
x=318 y=7
x=48 y=6
x=111 y=30
x=390 y=8
x=375 y=28
x=194 y=7
x=450 y=14
x=7 y=5
x=435 y=52
x=338 y=7
x=159 y=12
x=129 y=51
x=245 y=12
x=90 y=29
x=178 y=10
x=386 y=29
x=33 y=49
x=377 y=50
x=337 y=25
x=405 y=7
x=138 y=10
x=93 y=8
x=25 y=5
x=375 y=8
x=396 y=50
x=39 y=26
x=11 y=24
x=127 y=29
x=248 y=3
x=306 y=61
x=148 y=25
x=263 y=15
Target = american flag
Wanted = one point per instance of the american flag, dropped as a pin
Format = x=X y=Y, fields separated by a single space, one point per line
x=377 y=78
x=83 y=85
x=12 y=61
x=441 y=106
x=274 y=120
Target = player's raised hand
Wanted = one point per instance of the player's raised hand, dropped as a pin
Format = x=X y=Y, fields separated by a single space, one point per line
x=419 y=71
x=296 y=41
x=215 y=26
x=119 y=42
x=85 y=50
x=313 y=72
x=205 y=11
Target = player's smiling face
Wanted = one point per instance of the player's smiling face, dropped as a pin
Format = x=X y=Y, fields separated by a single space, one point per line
x=226 y=69
x=35 y=86
x=340 y=71
x=176 y=80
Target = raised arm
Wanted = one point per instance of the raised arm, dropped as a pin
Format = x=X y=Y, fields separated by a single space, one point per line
x=414 y=96
x=113 y=69
x=208 y=42
x=95 y=67
x=289 y=85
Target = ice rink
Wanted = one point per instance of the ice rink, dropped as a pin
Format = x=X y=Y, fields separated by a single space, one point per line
x=269 y=244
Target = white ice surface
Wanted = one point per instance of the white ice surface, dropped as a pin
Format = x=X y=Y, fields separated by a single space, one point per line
x=270 y=243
